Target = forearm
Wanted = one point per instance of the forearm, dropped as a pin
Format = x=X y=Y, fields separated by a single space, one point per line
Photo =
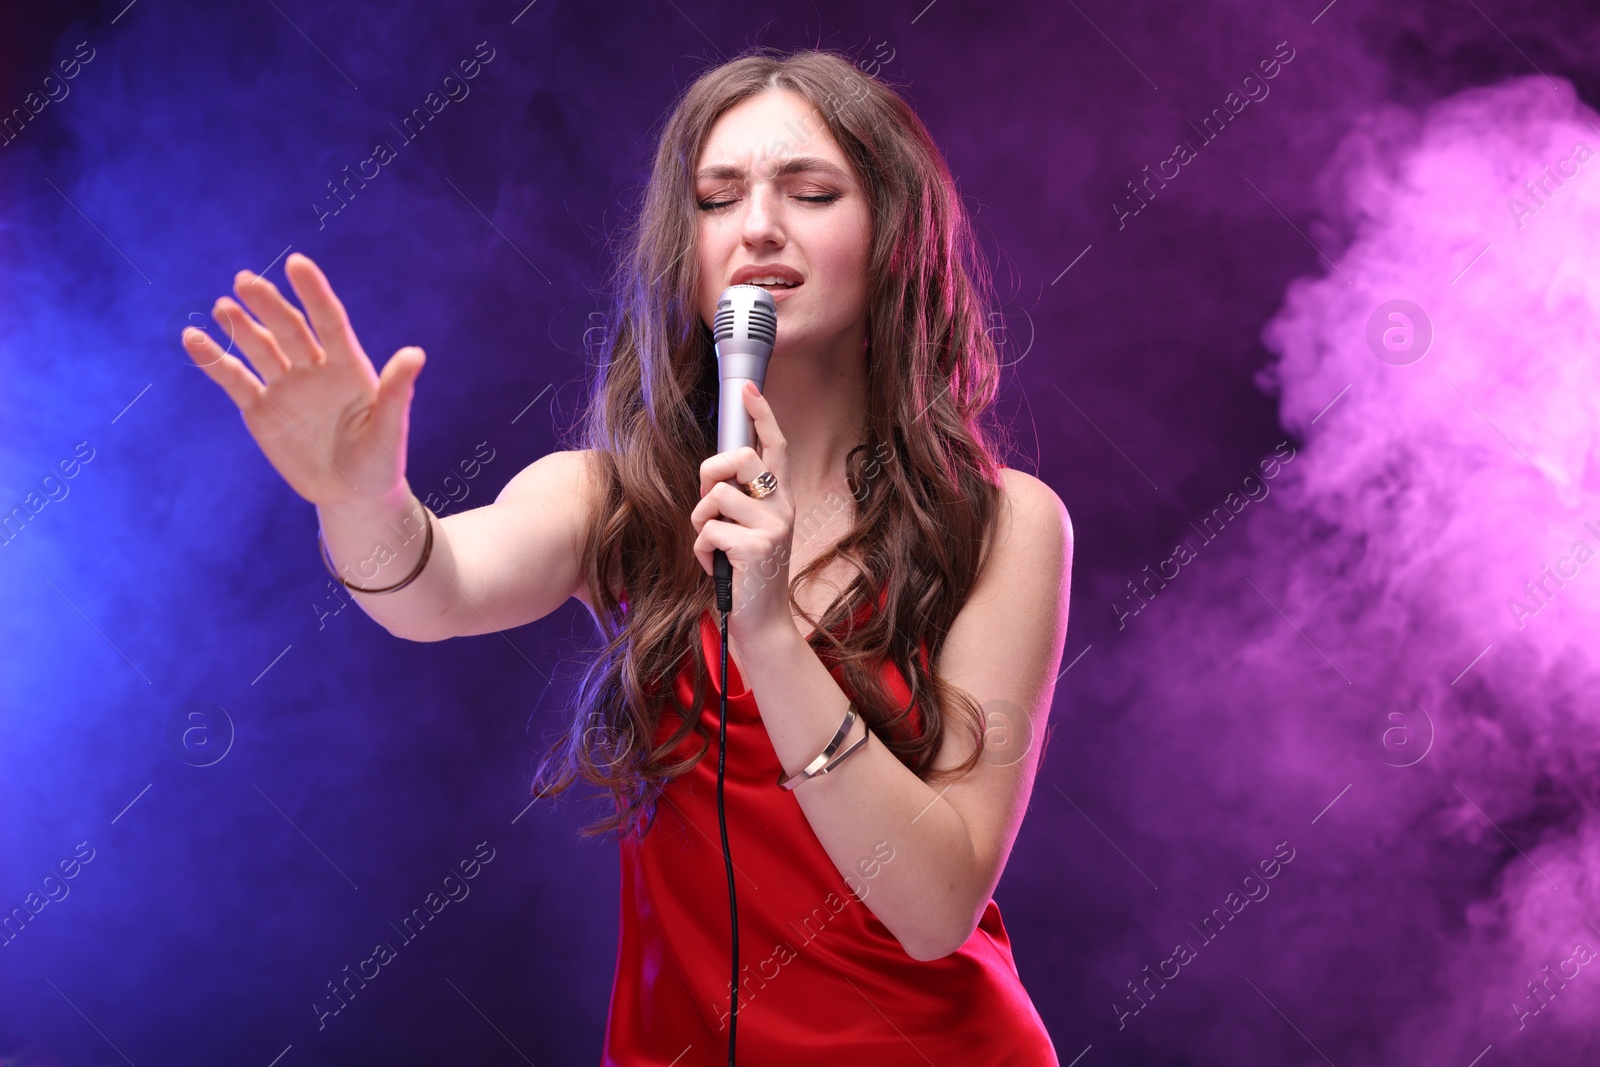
x=376 y=543
x=925 y=896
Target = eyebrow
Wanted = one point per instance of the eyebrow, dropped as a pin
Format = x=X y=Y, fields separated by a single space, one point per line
x=794 y=165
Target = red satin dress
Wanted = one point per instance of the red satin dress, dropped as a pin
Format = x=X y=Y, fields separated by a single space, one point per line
x=823 y=982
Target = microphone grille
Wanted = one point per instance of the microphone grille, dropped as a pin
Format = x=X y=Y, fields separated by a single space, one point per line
x=746 y=311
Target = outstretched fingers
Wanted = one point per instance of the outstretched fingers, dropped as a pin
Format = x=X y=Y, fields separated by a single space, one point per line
x=327 y=312
x=253 y=339
x=288 y=326
x=226 y=370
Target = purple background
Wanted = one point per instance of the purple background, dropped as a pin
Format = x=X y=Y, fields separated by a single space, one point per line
x=1355 y=657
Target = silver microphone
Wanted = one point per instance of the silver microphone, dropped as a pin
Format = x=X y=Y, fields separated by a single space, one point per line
x=745 y=327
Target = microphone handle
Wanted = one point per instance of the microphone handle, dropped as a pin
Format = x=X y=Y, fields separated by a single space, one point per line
x=722 y=577
x=735 y=429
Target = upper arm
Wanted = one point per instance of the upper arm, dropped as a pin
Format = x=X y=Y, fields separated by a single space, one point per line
x=1004 y=649
x=520 y=558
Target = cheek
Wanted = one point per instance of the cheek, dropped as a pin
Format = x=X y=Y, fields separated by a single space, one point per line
x=849 y=278
x=846 y=263
x=706 y=297
x=714 y=254
x=851 y=252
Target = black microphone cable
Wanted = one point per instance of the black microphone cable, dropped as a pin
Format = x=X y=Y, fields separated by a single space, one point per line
x=722 y=573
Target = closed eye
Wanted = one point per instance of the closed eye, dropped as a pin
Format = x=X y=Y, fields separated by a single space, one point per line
x=718 y=205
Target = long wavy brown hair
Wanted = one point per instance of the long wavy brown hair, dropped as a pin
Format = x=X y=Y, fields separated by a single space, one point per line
x=925 y=484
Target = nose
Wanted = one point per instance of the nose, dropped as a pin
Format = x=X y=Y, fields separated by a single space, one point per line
x=761 y=225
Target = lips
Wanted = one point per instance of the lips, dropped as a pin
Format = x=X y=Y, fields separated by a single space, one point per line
x=787 y=277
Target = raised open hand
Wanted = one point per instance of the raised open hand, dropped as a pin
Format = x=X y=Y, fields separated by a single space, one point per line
x=324 y=418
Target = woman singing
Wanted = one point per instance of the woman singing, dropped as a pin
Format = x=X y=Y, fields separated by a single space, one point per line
x=916 y=646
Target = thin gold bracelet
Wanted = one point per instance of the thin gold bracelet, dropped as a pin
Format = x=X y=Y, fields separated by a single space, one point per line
x=429 y=518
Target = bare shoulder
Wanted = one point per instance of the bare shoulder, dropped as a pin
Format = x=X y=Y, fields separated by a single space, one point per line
x=1034 y=521
x=571 y=470
x=1029 y=565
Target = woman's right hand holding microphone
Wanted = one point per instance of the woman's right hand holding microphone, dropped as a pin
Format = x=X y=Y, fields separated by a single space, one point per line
x=332 y=426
